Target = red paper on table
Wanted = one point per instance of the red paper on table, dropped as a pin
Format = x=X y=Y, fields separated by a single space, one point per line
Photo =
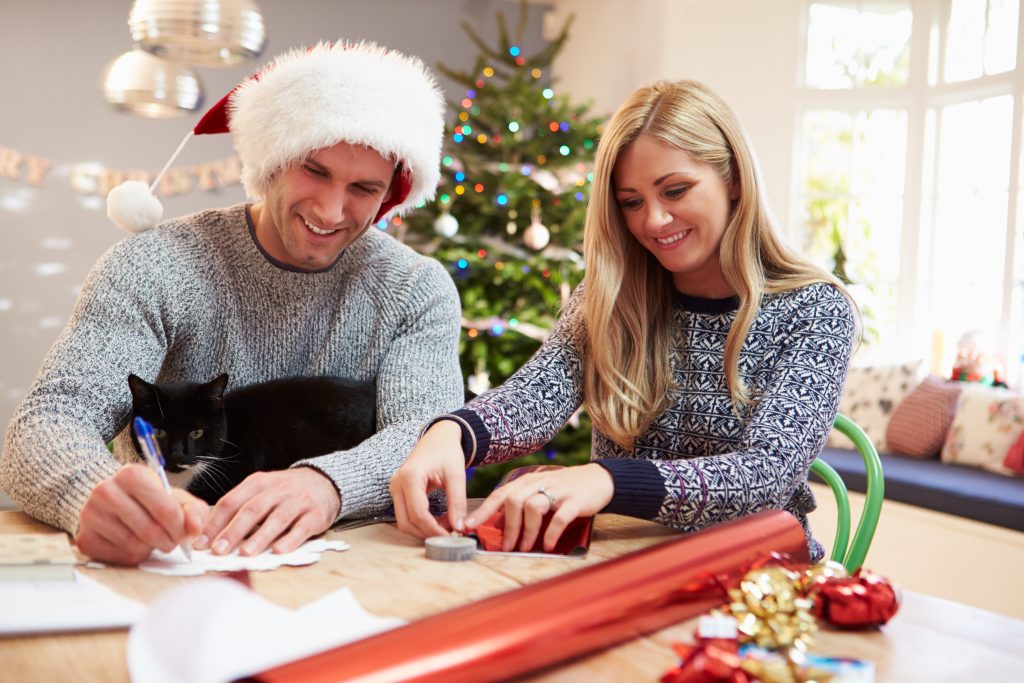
x=574 y=541
x=589 y=609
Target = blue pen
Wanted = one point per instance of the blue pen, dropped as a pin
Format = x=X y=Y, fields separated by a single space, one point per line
x=150 y=448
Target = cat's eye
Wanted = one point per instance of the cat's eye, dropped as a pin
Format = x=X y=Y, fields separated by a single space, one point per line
x=195 y=433
x=160 y=433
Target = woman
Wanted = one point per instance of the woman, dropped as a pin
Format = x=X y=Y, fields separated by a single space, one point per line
x=711 y=357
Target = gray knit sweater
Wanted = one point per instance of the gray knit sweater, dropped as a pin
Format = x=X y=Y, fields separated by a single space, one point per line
x=196 y=297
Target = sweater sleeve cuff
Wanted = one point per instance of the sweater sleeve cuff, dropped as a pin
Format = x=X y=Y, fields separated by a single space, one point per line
x=475 y=437
x=639 y=487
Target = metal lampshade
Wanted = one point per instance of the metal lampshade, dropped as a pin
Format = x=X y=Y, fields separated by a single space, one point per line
x=199 y=32
x=142 y=84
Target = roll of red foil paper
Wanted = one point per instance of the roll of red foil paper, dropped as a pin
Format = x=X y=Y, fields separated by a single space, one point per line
x=583 y=611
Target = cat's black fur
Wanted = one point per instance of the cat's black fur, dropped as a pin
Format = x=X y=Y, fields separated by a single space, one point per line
x=212 y=440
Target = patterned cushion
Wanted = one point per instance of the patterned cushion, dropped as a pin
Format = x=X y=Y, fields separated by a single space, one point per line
x=869 y=398
x=988 y=421
x=919 y=425
x=1014 y=459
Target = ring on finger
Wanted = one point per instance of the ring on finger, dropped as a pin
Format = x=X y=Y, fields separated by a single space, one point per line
x=547 y=494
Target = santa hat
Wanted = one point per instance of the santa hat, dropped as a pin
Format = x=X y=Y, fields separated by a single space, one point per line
x=306 y=100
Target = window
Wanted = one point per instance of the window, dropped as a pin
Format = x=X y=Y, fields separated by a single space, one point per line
x=910 y=170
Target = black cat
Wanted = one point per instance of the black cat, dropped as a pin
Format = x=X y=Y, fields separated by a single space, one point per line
x=211 y=441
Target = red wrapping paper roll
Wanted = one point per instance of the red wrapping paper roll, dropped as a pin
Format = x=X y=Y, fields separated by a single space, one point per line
x=536 y=626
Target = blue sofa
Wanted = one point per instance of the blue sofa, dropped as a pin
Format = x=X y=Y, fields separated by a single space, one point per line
x=966 y=492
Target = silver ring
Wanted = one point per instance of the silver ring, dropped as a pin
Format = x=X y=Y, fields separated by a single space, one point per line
x=551 y=498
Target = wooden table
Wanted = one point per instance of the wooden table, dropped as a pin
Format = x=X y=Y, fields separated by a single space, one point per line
x=929 y=639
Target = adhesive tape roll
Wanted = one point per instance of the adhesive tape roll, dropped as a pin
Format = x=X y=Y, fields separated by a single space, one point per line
x=451 y=548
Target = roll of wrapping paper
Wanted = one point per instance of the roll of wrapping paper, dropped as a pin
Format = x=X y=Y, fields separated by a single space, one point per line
x=539 y=625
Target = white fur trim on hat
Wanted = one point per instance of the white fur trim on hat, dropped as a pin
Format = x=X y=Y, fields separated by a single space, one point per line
x=306 y=100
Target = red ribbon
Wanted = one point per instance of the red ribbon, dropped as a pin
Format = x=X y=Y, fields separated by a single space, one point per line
x=711 y=660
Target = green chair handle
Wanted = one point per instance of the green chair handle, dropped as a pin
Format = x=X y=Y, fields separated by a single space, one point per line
x=835 y=482
x=873 y=497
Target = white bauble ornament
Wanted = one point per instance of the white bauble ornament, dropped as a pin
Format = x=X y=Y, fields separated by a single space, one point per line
x=446 y=225
x=537 y=235
x=479 y=382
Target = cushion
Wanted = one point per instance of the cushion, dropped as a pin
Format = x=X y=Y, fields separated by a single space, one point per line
x=1014 y=459
x=869 y=398
x=919 y=424
x=988 y=421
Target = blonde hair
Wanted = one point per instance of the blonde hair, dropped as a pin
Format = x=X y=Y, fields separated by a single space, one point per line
x=627 y=305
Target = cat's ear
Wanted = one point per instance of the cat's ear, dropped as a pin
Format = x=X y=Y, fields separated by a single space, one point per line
x=217 y=387
x=142 y=391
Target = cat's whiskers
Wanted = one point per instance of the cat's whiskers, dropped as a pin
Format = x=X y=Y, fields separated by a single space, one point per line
x=209 y=470
x=230 y=443
x=223 y=457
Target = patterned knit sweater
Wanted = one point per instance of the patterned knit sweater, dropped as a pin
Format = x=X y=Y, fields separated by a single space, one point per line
x=196 y=297
x=699 y=463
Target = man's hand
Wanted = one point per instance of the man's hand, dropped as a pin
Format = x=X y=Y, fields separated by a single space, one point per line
x=278 y=510
x=435 y=462
x=129 y=514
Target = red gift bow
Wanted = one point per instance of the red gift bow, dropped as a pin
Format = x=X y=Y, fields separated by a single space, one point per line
x=859 y=601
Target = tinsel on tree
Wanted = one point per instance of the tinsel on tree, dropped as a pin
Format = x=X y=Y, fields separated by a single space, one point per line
x=508 y=219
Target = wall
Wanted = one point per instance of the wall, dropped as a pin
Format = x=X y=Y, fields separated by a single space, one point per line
x=51 y=55
x=746 y=50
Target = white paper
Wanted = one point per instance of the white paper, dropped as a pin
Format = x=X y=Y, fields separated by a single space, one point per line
x=175 y=563
x=51 y=606
x=215 y=629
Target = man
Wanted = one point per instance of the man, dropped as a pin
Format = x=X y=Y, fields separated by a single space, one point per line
x=331 y=140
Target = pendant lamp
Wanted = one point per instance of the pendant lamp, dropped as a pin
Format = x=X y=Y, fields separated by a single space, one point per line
x=199 y=32
x=140 y=83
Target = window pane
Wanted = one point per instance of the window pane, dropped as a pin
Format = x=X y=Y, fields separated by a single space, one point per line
x=858 y=45
x=969 y=241
x=981 y=38
x=965 y=40
x=853 y=203
x=974 y=147
x=1001 y=40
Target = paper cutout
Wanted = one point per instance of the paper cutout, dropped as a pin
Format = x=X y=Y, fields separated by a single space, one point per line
x=215 y=629
x=175 y=564
x=53 y=606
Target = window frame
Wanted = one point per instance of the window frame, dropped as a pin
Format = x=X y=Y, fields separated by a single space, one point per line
x=915 y=312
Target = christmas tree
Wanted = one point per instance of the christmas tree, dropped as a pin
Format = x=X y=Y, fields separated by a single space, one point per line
x=508 y=220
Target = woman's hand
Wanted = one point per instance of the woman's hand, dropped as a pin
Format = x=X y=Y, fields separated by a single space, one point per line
x=435 y=462
x=571 y=492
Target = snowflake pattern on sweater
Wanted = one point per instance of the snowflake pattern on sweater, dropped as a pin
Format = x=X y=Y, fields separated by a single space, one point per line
x=700 y=462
